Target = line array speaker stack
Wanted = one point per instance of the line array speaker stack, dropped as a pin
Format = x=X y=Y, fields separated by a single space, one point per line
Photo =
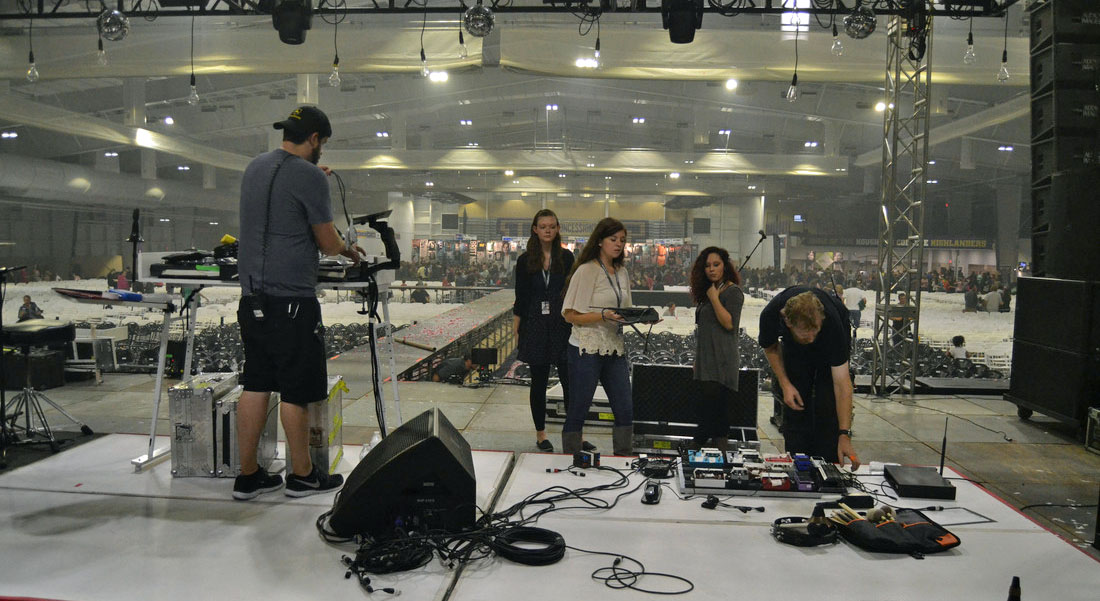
x=1056 y=339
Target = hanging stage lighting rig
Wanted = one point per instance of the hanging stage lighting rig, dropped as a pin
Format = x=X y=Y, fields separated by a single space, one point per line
x=188 y=8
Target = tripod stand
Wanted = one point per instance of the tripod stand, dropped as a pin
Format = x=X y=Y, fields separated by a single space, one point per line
x=7 y=436
x=28 y=403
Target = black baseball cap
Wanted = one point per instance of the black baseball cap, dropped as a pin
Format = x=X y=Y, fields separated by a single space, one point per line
x=307 y=120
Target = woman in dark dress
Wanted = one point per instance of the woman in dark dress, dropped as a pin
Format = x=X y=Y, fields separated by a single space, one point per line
x=716 y=289
x=542 y=332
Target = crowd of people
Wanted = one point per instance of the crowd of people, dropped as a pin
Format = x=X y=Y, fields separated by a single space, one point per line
x=453 y=271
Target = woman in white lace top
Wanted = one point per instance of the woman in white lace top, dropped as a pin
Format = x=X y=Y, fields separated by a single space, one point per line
x=597 y=286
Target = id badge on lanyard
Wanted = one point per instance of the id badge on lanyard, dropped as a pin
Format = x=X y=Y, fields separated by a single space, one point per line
x=546 y=303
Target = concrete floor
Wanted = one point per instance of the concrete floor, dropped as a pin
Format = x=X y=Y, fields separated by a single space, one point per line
x=1044 y=462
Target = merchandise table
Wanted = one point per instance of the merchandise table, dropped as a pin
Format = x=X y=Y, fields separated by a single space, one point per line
x=730 y=554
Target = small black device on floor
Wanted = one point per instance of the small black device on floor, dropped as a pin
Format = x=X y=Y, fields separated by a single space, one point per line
x=919 y=482
x=586 y=459
x=652 y=493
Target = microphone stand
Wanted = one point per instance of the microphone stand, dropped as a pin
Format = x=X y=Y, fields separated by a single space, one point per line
x=135 y=240
x=763 y=236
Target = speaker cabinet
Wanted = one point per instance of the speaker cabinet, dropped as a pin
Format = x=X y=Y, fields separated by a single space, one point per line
x=668 y=393
x=422 y=474
x=1060 y=314
x=1066 y=226
x=1057 y=383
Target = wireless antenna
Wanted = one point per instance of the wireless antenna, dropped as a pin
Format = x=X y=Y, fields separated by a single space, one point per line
x=943 y=449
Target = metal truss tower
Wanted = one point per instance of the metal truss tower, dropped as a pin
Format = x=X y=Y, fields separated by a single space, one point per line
x=901 y=233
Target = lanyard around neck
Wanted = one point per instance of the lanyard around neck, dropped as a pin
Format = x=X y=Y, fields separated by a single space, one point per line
x=616 y=287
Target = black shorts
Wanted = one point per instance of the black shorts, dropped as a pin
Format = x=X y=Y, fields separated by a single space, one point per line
x=285 y=352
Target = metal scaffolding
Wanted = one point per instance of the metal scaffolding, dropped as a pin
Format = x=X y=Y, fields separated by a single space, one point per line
x=901 y=234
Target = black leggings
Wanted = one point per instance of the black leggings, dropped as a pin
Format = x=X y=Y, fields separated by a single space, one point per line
x=540 y=375
x=711 y=412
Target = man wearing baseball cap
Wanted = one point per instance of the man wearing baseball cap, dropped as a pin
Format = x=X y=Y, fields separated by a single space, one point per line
x=285 y=220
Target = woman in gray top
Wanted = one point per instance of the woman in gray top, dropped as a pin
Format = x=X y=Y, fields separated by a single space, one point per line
x=715 y=288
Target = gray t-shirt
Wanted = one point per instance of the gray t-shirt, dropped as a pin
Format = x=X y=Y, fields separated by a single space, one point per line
x=299 y=200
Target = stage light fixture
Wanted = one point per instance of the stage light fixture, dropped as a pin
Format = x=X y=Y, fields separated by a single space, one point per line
x=731 y=84
x=478 y=20
x=861 y=23
x=438 y=76
x=169 y=121
x=113 y=25
x=681 y=18
x=110 y=154
x=674 y=175
x=509 y=172
x=292 y=18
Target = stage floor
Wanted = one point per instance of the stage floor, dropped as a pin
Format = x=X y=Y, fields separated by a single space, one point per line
x=82 y=525
x=1038 y=461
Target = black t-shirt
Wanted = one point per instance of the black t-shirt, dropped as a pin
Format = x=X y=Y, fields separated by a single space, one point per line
x=829 y=349
x=451 y=369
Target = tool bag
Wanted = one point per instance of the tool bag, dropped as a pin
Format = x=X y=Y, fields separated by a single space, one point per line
x=910 y=531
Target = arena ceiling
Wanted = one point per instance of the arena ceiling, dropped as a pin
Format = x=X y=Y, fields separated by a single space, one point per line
x=396 y=130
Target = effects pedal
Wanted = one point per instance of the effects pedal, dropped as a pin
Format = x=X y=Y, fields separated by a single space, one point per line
x=831 y=478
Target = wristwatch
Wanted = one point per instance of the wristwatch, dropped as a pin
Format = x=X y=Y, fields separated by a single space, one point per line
x=847 y=433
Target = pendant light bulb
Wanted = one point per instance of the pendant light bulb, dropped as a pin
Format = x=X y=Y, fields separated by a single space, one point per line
x=334 y=77
x=424 y=71
x=193 y=97
x=1002 y=75
x=793 y=93
x=837 y=48
x=101 y=55
x=32 y=70
x=463 y=52
x=970 y=58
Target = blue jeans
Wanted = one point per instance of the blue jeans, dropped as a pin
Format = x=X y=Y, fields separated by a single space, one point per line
x=585 y=370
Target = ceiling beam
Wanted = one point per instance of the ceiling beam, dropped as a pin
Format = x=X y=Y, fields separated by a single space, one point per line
x=36 y=114
x=1004 y=112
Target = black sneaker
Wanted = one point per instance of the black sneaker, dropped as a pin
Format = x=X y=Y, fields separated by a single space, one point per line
x=545 y=446
x=587 y=446
x=315 y=483
x=255 y=484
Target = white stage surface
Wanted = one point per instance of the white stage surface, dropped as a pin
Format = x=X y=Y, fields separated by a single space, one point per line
x=82 y=525
x=732 y=555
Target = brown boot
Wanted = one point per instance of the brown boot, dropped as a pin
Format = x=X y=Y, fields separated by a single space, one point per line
x=622 y=439
x=570 y=442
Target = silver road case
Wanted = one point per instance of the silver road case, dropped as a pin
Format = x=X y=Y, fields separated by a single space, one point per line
x=326 y=428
